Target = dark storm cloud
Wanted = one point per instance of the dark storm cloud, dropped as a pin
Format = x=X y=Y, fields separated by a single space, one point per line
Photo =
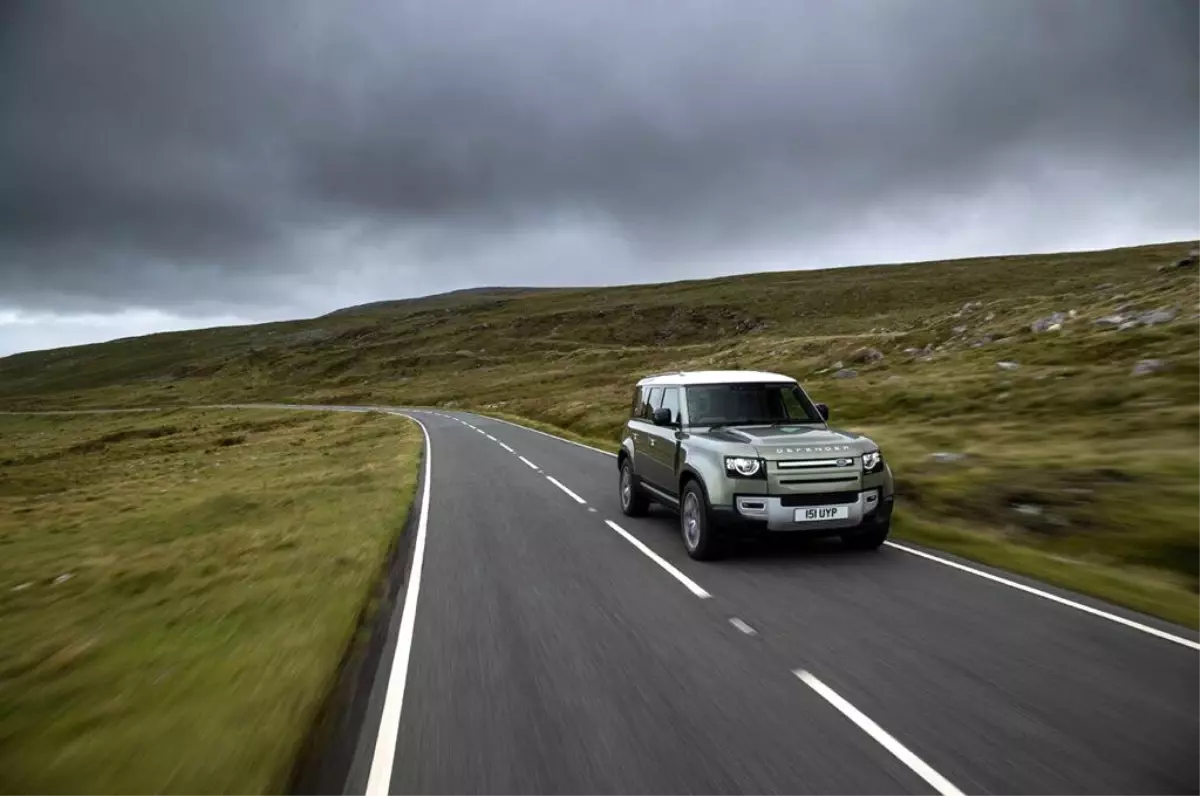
x=200 y=155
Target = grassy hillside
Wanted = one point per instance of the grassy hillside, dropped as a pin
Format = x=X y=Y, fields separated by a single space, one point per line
x=1069 y=456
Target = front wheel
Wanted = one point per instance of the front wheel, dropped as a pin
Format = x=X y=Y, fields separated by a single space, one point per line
x=633 y=501
x=700 y=539
x=870 y=539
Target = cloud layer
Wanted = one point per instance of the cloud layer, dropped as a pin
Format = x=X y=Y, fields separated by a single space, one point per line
x=261 y=158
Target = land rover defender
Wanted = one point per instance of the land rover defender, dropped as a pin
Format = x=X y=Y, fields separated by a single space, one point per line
x=748 y=452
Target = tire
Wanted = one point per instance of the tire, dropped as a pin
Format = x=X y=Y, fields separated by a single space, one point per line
x=634 y=502
x=700 y=537
x=868 y=540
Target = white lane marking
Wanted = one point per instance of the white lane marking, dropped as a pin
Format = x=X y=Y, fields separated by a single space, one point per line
x=489 y=436
x=691 y=585
x=510 y=450
x=575 y=497
x=1048 y=596
x=742 y=626
x=551 y=436
x=880 y=735
x=380 y=778
x=480 y=430
x=531 y=464
x=592 y=509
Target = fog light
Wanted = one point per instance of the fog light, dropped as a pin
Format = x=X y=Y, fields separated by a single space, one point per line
x=871 y=498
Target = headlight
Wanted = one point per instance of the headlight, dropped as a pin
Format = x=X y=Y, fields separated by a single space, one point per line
x=872 y=461
x=744 y=467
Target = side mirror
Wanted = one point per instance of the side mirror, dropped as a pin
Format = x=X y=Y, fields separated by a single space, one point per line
x=662 y=416
x=823 y=411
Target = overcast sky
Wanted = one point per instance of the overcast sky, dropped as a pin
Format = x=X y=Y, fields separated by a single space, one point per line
x=172 y=165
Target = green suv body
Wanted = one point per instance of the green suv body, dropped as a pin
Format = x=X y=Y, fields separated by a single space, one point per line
x=748 y=452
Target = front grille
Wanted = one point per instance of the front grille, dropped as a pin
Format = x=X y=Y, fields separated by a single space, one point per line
x=812 y=481
x=818 y=499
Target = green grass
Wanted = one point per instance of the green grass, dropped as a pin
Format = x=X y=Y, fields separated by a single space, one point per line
x=1109 y=459
x=218 y=562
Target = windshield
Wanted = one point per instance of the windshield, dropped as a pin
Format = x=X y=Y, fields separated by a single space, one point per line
x=749 y=404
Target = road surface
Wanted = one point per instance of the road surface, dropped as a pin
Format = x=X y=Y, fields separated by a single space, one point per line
x=555 y=646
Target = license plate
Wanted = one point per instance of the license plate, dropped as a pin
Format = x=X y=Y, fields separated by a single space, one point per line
x=822 y=513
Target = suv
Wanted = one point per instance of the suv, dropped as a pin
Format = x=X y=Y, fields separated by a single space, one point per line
x=740 y=451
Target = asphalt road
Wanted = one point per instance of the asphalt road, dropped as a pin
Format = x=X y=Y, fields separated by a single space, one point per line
x=551 y=653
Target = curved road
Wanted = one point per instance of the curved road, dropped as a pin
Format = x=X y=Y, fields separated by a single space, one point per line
x=549 y=644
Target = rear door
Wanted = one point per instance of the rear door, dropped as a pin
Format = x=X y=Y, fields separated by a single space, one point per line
x=640 y=427
x=663 y=444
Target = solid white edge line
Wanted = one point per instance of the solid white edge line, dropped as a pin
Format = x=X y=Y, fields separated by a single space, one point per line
x=691 y=585
x=880 y=735
x=380 y=779
x=575 y=497
x=531 y=464
x=1048 y=596
x=551 y=436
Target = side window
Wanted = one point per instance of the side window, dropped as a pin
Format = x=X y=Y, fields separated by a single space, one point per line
x=652 y=403
x=670 y=400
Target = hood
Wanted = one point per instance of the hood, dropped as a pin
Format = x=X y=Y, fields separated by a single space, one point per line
x=794 y=441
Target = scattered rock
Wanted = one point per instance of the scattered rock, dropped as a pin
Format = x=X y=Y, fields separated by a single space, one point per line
x=1028 y=509
x=1147 y=366
x=866 y=355
x=1050 y=323
x=1005 y=365
x=1156 y=317
x=1072 y=313
x=911 y=351
x=1110 y=322
x=947 y=458
x=1127 y=326
x=1105 y=286
x=959 y=330
x=845 y=374
x=989 y=316
x=22 y=586
x=63 y=578
x=1191 y=261
x=837 y=365
x=1124 y=308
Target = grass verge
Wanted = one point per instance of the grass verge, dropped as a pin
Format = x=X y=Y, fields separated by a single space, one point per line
x=177 y=589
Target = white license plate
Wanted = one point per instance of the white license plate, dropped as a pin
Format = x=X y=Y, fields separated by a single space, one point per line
x=822 y=513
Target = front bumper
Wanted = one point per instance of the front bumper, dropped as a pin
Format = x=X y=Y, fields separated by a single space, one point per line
x=765 y=513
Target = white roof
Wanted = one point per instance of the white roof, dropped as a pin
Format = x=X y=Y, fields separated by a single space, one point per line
x=715 y=377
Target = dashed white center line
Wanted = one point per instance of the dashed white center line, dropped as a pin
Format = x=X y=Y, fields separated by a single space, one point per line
x=592 y=509
x=531 y=464
x=510 y=450
x=489 y=436
x=742 y=626
x=879 y=735
x=691 y=585
x=572 y=495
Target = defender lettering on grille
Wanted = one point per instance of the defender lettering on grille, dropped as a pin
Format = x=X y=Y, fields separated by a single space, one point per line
x=815 y=449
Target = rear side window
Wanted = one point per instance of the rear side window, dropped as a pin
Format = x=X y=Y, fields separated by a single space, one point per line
x=652 y=403
x=670 y=400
